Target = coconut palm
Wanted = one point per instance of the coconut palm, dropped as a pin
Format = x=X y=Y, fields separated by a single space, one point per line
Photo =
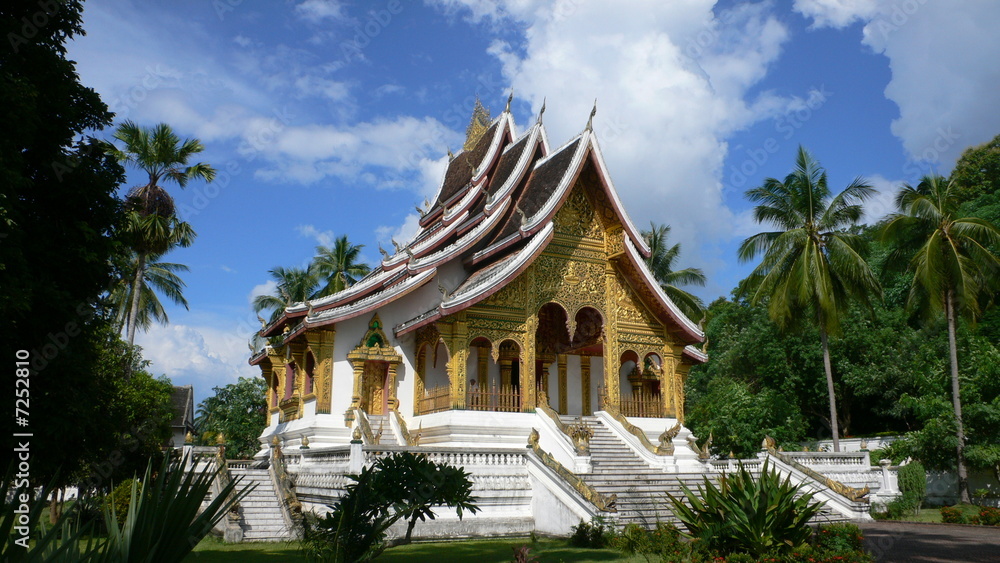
x=661 y=264
x=152 y=222
x=812 y=267
x=338 y=265
x=952 y=267
x=294 y=285
x=157 y=277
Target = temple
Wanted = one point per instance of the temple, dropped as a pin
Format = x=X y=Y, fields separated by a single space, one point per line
x=520 y=313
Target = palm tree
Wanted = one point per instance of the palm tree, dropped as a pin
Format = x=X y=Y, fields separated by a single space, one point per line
x=952 y=266
x=338 y=266
x=152 y=226
x=661 y=261
x=294 y=285
x=157 y=277
x=811 y=266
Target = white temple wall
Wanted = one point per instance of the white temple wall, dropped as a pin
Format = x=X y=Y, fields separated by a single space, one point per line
x=552 y=371
x=436 y=372
x=596 y=379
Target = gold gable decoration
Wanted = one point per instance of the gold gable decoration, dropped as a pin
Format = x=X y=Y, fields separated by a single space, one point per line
x=478 y=125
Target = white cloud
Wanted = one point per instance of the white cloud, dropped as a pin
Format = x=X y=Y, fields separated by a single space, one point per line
x=672 y=82
x=324 y=238
x=319 y=10
x=402 y=234
x=945 y=76
x=266 y=288
x=884 y=201
x=201 y=356
x=836 y=13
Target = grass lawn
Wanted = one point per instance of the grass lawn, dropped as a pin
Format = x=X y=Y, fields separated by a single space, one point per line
x=933 y=515
x=478 y=551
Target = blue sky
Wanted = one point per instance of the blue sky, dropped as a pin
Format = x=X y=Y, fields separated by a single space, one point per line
x=329 y=117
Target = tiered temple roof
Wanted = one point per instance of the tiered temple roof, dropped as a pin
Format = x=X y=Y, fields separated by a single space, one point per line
x=494 y=214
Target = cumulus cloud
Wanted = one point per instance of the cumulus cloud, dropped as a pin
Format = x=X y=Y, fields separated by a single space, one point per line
x=944 y=72
x=401 y=234
x=324 y=238
x=672 y=82
x=319 y=10
x=201 y=356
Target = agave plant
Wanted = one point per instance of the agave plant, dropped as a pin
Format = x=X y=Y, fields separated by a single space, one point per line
x=165 y=521
x=748 y=515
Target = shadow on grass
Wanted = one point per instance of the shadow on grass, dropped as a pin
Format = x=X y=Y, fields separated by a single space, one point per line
x=212 y=550
x=490 y=551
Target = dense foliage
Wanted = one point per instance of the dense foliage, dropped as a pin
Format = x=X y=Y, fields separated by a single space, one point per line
x=743 y=514
x=239 y=412
x=400 y=486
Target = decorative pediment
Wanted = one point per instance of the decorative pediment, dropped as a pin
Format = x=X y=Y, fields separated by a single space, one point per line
x=374 y=346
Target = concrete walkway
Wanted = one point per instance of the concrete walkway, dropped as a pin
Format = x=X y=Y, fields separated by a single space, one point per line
x=893 y=542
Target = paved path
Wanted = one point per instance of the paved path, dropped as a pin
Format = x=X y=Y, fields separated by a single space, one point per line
x=898 y=542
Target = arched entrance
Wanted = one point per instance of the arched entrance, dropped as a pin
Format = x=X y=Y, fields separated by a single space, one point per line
x=374 y=362
x=567 y=349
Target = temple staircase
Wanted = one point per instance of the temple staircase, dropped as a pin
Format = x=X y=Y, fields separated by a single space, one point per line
x=380 y=422
x=260 y=512
x=640 y=488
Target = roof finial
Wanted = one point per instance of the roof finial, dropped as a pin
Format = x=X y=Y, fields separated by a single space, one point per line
x=510 y=98
x=478 y=125
x=593 y=112
x=382 y=251
x=451 y=155
x=541 y=111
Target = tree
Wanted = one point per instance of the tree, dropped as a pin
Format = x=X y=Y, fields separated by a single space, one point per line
x=58 y=216
x=338 y=266
x=661 y=264
x=812 y=266
x=158 y=277
x=153 y=227
x=293 y=285
x=952 y=268
x=977 y=171
x=239 y=412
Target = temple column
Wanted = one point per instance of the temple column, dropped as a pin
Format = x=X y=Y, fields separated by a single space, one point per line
x=529 y=396
x=358 y=365
x=668 y=380
x=391 y=402
x=680 y=378
x=321 y=343
x=483 y=365
x=563 y=402
x=585 y=385
x=418 y=381
x=506 y=367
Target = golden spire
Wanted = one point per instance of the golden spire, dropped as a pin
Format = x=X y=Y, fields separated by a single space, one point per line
x=478 y=125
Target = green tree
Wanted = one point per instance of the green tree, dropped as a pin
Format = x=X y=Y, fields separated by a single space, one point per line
x=239 y=412
x=977 y=171
x=293 y=285
x=661 y=264
x=338 y=266
x=812 y=266
x=159 y=277
x=153 y=226
x=952 y=268
x=58 y=212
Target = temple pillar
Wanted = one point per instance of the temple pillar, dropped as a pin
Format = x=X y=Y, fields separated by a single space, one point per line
x=585 y=385
x=679 y=380
x=358 y=365
x=483 y=365
x=563 y=399
x=391 y=401
x=321 y=343
x=529 y=395
x=506 y=367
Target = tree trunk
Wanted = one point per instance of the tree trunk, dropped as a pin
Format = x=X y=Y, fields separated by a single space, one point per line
x=834 y=427
x=133 y=314
x=409 y=530
x=956 y=399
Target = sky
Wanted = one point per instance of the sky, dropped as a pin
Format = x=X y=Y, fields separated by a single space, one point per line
x=330 y=117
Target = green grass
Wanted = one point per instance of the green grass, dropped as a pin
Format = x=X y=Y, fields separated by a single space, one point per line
x=212 y=550
x=933 y=515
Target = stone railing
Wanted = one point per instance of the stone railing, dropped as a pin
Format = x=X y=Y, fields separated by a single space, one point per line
x=291 y=508
x=361 y=419
x=665 y=448
x=842 y=461
x=849 y=493
x=578 y=435
x=411 y=440
x=604 y=504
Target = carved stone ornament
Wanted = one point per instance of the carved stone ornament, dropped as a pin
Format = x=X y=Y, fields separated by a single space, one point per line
x=581 y=435
x=769 y=443
x=356 y=434
x=666 y=446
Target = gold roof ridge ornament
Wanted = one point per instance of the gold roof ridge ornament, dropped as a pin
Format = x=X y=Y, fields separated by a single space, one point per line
x=478 y=125
x=541 y=112
x=510 y=98
x=593 y=112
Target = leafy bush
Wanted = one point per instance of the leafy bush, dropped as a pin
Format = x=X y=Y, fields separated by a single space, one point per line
x=988 y=516
x=953 y=515
x=522 y=554
x=400 y=486
x=901 y=507
x=748 y=515
x=840 y=537
x=913 y=481
x=119 y=499
x=596 y=534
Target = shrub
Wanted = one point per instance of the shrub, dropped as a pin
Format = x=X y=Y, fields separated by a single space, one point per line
x=522 y=554
x=120 y=497
x=596 y=534
x=953 y=515
x=913 y=482
x=748 y=515
x=988 y=516
x=841 y=537
x=901 y=506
